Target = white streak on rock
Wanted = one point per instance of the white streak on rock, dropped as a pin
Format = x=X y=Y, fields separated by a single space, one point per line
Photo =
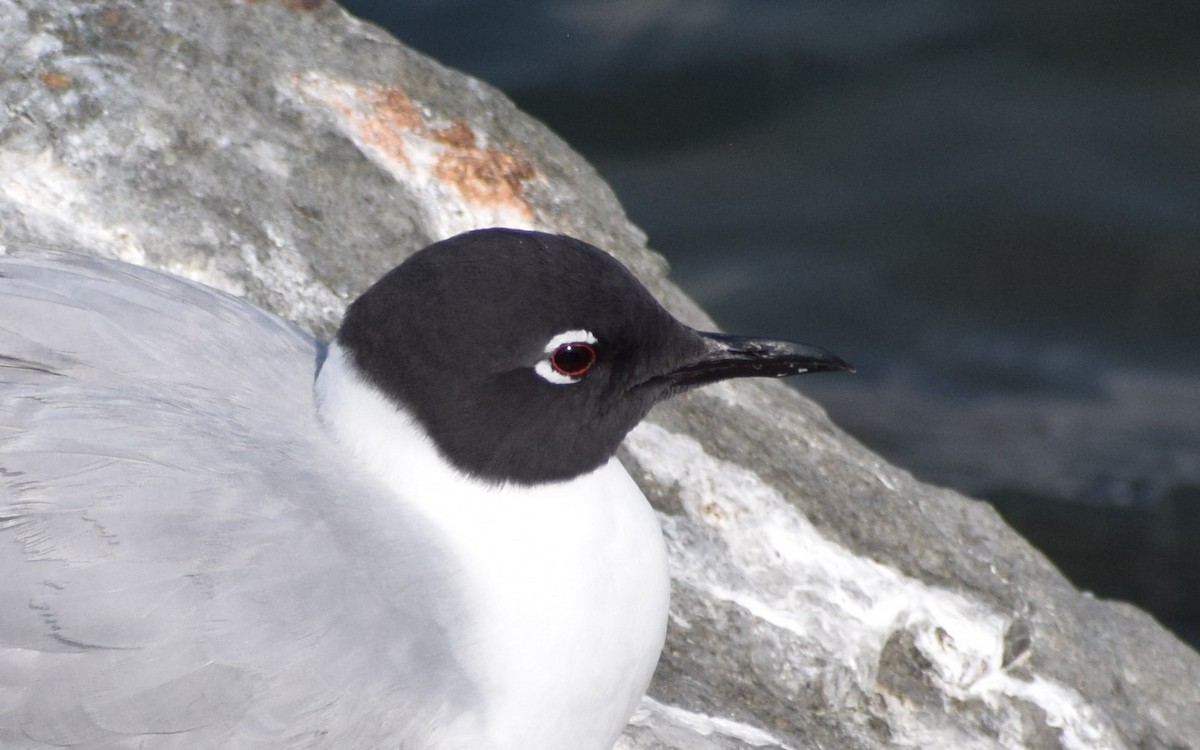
x=48 y=194
x=284 y=269
x=41 y=45
x=844 y=607
x=703 y=724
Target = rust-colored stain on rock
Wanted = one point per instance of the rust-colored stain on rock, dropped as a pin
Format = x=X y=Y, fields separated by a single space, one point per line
x=386 y=121
x=55 y=79
x=485 y=175
x=389 y=116
x=305 y=5
x=112 y=18
x=457 y=134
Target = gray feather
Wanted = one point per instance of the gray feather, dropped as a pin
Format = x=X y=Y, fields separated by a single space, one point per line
x=184 y=561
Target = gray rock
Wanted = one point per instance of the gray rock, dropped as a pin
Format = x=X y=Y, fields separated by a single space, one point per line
x=823 y=599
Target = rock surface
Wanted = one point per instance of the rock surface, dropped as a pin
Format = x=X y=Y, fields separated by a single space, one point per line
x=822 y=598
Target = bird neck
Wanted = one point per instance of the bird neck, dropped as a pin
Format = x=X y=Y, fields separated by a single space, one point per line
x=568 y=579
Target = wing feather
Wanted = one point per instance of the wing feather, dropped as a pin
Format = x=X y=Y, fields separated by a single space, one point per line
x=185 y=561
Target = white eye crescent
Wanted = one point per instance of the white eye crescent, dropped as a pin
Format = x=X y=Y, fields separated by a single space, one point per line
x=569 y=356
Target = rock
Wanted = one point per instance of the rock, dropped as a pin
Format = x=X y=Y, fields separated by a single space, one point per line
x=822 y=598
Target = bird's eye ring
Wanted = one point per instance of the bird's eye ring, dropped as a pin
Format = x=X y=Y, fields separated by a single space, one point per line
x=573 y=359
x=567 y=357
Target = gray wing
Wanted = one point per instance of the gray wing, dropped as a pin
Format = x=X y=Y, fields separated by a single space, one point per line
x=183 y=561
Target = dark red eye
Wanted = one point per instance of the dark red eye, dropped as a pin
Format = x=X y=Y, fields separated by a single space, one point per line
x=573 y=359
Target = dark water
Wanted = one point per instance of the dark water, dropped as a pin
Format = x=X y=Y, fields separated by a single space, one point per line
x=992 y=209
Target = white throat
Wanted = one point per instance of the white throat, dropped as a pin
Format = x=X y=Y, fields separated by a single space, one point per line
x=569 y=580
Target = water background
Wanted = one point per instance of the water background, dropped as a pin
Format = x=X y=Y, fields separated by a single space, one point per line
x=991 y=209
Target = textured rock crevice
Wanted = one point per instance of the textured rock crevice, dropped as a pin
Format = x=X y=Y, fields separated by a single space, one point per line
x=290 y=154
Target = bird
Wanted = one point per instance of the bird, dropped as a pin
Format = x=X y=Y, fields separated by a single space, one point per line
x=217 y=531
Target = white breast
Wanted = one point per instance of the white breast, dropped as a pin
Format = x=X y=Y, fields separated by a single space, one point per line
x=568 y=580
